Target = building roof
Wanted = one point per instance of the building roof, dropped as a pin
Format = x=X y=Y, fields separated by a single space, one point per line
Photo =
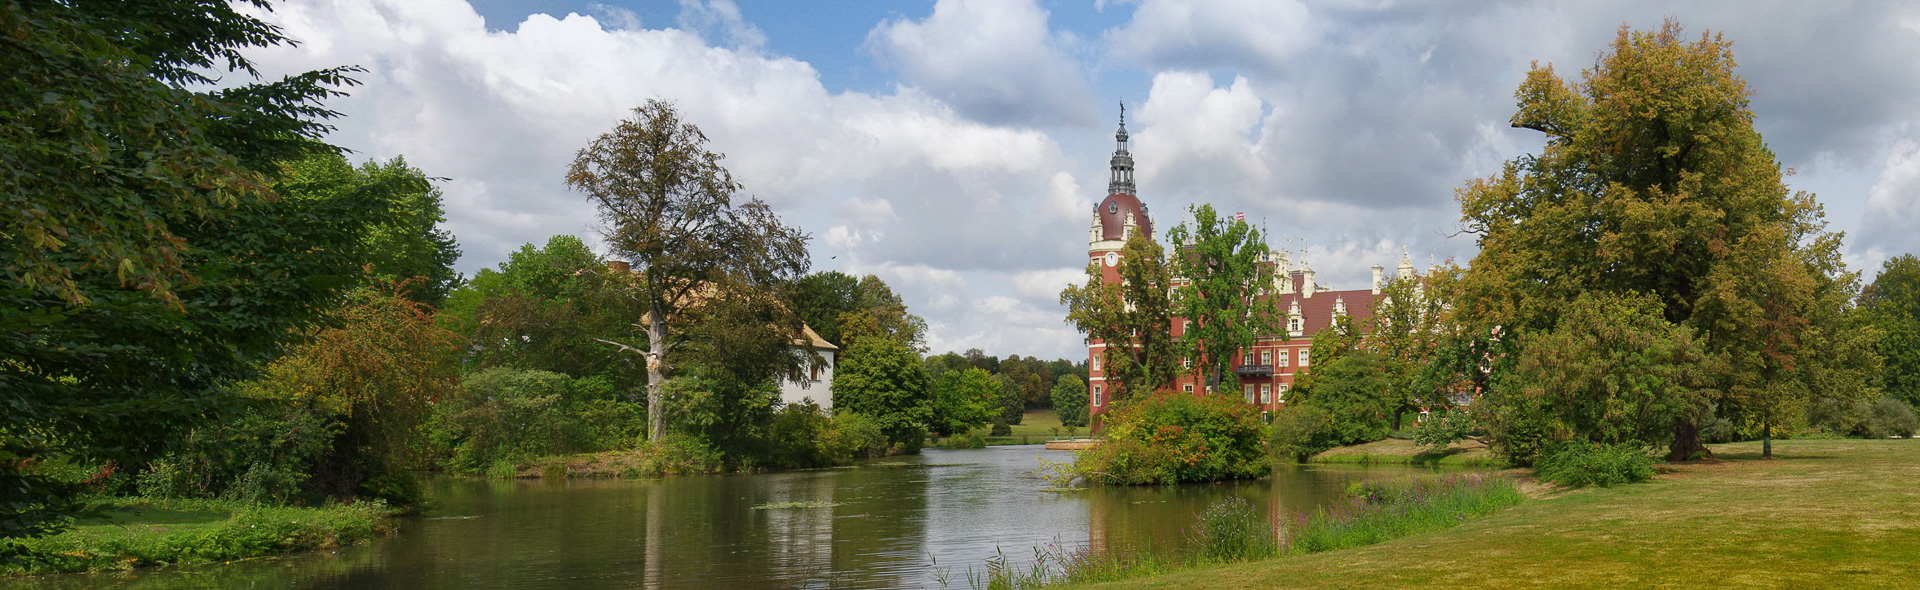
x=1316 y=312
x=1113 y=216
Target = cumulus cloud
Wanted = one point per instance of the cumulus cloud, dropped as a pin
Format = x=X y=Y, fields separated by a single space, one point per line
x=1248 y=35
x=1892 y=223
x=994 y=60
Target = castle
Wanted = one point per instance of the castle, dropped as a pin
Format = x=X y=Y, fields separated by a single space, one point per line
x=1266 y=370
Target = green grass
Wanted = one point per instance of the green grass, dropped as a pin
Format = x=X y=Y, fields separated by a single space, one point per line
x=1036 y=425
x=141 y=532
x=1403 y=452
x=1826 y=514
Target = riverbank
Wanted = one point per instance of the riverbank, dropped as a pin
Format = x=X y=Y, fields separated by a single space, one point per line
x=1826 y=514
x=1395 y=451
x=142 y=532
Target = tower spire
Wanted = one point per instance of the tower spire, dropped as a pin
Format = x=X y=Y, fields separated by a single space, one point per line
x=1121 y=179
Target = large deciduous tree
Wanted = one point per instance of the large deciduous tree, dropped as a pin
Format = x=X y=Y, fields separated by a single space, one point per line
x=1226 y=292
x=1654 y=181
x=1132 y=319
x=1410 y=328
x=668 y=208
x=882 y=379
x=147 y=258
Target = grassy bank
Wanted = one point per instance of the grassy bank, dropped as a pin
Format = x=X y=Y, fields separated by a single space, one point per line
x=1403 y=452
x=1826 y=514
x=139 y=532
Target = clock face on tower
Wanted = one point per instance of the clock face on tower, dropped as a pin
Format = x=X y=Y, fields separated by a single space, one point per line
x=1113 y=258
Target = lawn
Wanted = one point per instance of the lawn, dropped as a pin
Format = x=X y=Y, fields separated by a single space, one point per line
x=1825 y=514
x=1037 y=424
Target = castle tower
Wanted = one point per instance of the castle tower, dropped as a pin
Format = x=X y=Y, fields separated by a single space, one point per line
x=1115 y=218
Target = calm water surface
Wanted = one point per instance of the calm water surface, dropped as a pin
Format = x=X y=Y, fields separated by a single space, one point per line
x=893 y=524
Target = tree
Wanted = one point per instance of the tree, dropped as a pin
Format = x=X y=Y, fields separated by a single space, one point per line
x=1654 y=181
x=668 y=208
x=1008 y=397
x=1132 y=319
x=1893 y=304
x=1070 y=400
x=376 y=376
x=881 y=378
x=879 y=312
x=147 y=259
x=1353 y=388
x=548 y=309
x=821 y=298
x=1409 y=328
x=962 y=401
x=1226 y=291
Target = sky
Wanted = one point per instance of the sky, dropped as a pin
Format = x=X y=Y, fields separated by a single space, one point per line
x=955 y=148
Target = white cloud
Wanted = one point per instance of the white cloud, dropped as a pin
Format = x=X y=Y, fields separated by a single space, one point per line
x=1251 y=35
x=994 y=60
x=1892 y=222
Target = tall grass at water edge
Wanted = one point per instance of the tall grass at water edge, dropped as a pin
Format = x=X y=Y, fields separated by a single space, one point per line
x=1233 y=530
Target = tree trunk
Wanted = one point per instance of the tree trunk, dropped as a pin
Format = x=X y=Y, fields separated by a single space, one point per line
x=1766 y=440
x=1686 y=442
x=656 y=377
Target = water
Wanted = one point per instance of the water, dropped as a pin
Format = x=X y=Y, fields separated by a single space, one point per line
x=894 y=523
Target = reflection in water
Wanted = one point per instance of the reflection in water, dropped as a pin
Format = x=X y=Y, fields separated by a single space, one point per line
x=882 y=525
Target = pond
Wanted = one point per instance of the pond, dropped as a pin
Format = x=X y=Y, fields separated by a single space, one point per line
x=894 y=523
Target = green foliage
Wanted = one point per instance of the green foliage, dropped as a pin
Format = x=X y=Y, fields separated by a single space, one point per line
x=1070 y=400
x=1232 y=529
x=1580 y=463
x=1300 y=431
x=514 y=415
x=1441 y=430
x=1614 y=371
x=1228 y=292
x=1000 y=429
x=855 y=436
x=1887 y=417
x=548 y=308
x=1008 y=397
x=1173 y=438
x=797 y=437
x=260 y=454
x=968 y=440
x=248 y=530
x=147 y=259
x=1890 y=417
x=1133 y=317
x=878 y=312
x=406 y=243
x=1353 y=389
x=1893 y=303
x=882 y=379
x=963 y=400
x=820 y=299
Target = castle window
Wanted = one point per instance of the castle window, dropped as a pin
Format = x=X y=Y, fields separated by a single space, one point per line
x=1249 y=389
x=1266 y=393
x=1303 y=358
x=1188 y=387
x=1283 y=392
x=1285 y=358
x=1096 y=362
x=1266 y=357
x=1096 y=396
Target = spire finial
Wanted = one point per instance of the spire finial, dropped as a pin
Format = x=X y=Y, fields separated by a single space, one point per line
x=1121 y=179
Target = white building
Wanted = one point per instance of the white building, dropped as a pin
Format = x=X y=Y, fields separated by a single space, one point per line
x=818 y=383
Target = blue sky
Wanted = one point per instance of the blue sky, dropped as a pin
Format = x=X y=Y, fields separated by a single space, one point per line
x=955 y=147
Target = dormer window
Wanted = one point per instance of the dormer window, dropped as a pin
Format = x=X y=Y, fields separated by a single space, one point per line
x=1113 y=207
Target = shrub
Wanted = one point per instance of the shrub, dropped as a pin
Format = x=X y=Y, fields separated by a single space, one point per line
x=797 y=437
x=854 y=436
x=1000 y=429
x=1717 y=430
x=966 y=440
x=1231 y=529
x=1579 y=463
x=1440 y=430
x=1301 y=431
x=262 y=455
x=514 y=415
x=1172 y=438
x=1891 y=417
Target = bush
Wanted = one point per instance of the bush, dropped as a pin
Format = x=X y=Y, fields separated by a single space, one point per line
x=797 y=437
x=966 y=440
x=1231 y=529
x=1000 y=429
x=854 y=436
x=1174 y=438
x=513 y=415
x=1717 y=430
x=1579 y=463
x=260 y=456
x=1301 y=431
x=1891 y=417
x=1440 y=430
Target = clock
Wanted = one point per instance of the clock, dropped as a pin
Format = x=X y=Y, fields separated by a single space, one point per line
x=1113 y=258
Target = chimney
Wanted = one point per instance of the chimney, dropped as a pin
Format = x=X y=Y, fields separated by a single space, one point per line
x=1307 y=289
x=1377 y=272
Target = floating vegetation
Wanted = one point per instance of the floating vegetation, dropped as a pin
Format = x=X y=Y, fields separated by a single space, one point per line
x=786 y=505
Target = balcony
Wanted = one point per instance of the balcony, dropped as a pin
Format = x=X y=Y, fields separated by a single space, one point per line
x=1253 y=370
